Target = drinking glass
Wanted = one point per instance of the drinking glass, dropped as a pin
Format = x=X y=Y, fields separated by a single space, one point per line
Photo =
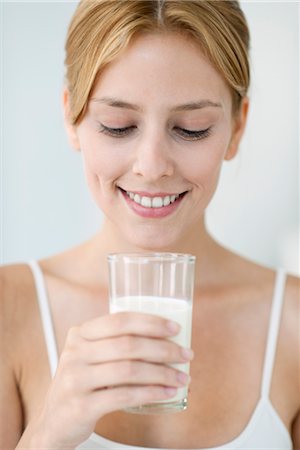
x=160 y=284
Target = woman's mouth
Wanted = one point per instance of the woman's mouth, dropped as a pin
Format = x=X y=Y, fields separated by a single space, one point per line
x=152 y=205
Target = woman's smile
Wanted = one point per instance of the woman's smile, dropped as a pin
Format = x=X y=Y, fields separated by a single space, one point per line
x=157 y=205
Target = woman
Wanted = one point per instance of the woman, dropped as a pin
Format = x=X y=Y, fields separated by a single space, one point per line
x=155 y=100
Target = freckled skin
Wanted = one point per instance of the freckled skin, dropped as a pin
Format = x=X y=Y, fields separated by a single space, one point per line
x=154 y=156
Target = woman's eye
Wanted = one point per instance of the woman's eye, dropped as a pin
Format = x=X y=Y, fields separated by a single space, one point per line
x=192 y=135
x=115 y=132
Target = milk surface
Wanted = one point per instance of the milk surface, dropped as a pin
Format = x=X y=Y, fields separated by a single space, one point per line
x=178 y=310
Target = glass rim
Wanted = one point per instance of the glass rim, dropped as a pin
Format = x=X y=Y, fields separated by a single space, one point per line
x=151 y=256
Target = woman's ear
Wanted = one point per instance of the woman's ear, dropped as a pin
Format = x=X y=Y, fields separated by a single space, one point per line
x=239 y=124
x=70 y=128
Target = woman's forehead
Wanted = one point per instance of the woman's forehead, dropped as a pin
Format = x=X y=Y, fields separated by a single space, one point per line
x=156 y=64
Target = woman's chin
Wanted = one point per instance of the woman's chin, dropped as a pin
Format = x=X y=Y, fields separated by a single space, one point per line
x=153 y=242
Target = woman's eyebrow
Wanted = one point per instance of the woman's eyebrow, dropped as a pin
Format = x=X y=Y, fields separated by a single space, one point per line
x=197 y=105
x=118 y=103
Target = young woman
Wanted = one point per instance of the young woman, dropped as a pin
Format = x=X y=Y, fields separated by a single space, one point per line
x=155 y=100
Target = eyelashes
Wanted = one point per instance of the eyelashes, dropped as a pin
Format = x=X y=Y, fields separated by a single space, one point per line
x=188 y=135
x=193 y=135
x=116 y=132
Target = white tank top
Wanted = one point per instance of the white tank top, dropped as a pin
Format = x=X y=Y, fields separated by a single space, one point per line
x=265 y=429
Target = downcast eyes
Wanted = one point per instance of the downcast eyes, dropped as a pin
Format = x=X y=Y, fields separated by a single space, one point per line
x=116 y=132
x=193 y=135
x=188 y=135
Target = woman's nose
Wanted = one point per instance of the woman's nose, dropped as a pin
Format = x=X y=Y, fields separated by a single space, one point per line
x=153 y=158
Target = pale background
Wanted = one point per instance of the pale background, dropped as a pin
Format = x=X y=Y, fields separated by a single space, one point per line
x=45 y=205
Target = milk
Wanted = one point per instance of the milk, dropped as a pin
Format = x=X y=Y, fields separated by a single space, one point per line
x=174 y=309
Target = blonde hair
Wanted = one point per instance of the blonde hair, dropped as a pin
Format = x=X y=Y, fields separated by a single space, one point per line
x=101 y=29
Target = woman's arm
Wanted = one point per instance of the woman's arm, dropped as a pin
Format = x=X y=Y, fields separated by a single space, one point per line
x=11 y=417
x=294 y=330
x=296 y=432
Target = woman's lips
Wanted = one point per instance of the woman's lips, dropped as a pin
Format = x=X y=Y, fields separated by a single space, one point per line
x=152 y=205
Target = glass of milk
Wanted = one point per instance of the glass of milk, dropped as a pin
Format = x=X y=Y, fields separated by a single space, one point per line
x=160 y=284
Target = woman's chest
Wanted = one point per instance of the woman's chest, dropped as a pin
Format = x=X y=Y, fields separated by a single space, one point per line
x=225 y=389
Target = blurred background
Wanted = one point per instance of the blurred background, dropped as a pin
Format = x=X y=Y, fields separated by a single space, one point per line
x=45 y=204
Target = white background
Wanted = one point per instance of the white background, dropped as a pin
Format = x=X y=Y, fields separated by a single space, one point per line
x=45 y=205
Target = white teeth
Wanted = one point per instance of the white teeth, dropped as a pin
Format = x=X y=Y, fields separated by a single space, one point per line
x=137 y=198
x=155 y=202
x=167 y=200
x=146 y=201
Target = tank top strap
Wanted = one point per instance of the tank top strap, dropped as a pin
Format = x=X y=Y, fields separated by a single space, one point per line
x=46 y=318
x=274 y=326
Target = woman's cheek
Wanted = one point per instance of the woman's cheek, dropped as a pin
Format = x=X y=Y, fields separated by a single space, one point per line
x=101 y=162
x=204 y=165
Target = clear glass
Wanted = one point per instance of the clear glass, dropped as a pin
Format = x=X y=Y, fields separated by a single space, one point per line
x=161 y=284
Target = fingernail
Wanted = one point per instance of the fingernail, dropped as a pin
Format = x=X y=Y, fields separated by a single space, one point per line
x=183 y=378
x=187 y=354
x=173 y=327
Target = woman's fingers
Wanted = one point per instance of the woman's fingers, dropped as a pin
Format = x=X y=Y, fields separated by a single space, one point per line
x=109 y=400
x=135 y=347
x=122 y=373
x=125 y=323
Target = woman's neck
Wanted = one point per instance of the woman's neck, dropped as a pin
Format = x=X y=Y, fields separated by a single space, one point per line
x=198 y=242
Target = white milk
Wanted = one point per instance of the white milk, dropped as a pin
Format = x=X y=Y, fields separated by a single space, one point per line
x=178 y=310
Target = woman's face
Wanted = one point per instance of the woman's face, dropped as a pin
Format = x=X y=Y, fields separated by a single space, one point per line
x=157 y=128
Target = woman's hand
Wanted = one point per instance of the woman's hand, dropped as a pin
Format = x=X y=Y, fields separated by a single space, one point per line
x=113 y=362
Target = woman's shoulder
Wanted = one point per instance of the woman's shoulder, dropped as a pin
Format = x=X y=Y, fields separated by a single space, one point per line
x=292 y=293
x=262 y=278
x=290 y=322
x=260 y=286
x=247 y=272
x=279 y=283
x=16 y=292
x=19 y=322
x=16 y=284
x=17 y=297
x=17 y=280
x=257 y=284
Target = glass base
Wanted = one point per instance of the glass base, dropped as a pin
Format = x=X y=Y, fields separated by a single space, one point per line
x=159 y=407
